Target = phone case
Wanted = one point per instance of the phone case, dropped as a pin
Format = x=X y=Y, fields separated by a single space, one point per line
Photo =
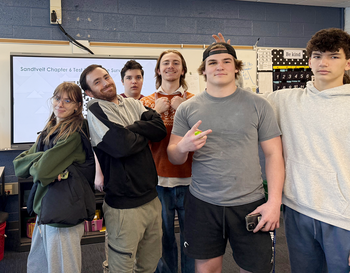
x=252 y=221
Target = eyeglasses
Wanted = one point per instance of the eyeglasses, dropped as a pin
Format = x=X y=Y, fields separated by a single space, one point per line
x=64 y=101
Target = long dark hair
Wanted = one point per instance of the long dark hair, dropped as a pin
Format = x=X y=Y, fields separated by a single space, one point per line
x=70 y=124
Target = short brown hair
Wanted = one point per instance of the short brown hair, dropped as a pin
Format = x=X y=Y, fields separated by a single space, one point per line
x=89 y=69
x=238 y=64
x=184 y=67
x=331 y=39
x=130 y=65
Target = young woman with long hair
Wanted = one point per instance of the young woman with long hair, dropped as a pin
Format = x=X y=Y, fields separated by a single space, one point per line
x=61 y=163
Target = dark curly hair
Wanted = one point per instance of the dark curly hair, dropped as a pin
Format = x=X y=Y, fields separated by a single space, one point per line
x=331 y=39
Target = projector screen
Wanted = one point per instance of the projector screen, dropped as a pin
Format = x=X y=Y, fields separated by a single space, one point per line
x=35 y=77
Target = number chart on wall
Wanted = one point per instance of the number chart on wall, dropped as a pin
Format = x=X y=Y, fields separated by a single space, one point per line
x=282 y=68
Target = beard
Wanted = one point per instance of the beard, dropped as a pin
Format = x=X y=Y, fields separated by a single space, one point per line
x=106 y=95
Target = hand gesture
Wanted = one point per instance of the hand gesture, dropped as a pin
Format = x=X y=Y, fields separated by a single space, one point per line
x=220 y=38
x=176 y=101
x=191 y=141
x=161 y=105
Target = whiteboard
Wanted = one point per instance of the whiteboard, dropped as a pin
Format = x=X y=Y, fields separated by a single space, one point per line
x=249 y=67
x=193 y=57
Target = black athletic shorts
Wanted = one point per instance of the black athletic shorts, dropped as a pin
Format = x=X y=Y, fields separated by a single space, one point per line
x=208 y=226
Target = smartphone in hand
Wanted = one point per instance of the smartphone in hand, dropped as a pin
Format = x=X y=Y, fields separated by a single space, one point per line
x=252 y=221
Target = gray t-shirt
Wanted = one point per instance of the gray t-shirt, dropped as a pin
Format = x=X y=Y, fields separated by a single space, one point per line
x=226 y=170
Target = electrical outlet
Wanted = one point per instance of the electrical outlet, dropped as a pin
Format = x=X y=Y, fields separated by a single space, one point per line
x=55 y=12
x=11 y=188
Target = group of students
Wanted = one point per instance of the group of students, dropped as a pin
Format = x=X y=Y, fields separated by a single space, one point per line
x=199 y=155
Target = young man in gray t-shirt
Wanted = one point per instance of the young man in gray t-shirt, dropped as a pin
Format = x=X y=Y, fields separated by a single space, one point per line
x=226 y=175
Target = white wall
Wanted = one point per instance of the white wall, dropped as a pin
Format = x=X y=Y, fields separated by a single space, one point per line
x=347 y=20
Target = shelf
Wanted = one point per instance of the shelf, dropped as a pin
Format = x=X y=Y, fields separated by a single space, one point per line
x=24 y=244
x=93 y=237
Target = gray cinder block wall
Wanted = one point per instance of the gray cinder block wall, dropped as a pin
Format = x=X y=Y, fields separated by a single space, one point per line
x=164 y=21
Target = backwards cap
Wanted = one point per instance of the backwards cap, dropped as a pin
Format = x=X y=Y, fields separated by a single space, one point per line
x=229 y=49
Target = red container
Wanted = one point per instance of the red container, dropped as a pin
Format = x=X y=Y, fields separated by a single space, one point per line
x=2 y=239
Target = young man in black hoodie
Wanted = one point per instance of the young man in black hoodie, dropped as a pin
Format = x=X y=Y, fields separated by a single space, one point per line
x=120 y=131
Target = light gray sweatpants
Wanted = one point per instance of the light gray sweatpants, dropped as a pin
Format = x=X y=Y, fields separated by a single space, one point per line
x=55 y=250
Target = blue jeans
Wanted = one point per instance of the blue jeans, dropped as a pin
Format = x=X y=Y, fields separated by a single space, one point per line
x=173 y=199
